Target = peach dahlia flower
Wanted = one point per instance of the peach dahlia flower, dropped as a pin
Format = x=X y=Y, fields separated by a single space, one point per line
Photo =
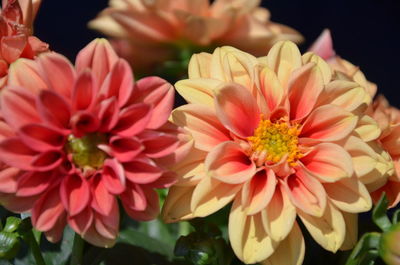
x=16 y=18
x=76 y=140
x=146 y=29
x=281 y=136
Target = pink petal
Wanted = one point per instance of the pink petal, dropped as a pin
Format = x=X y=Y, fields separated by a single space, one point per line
x=119 y=83
x=328 y=162
x=237 y=109
x=15 y=153
x=98 y=56
x=102 y=199
x=329 y=123
x=108 y=114
x=81 y=222
x=152 y=209
x=27 y=74
x=84 y=91
x=228 y=163
x=305 y=85
x=124 y=149
x=159 y=94
x=48 y=210
x=33 y=183
x=13 y=46
x=8 y=179
x=133 y=120
x=17 y=204
x=108 y=225
x=323 y=46
x=158 y=144
x=59 y=72
x=113 y=176
x=134 y=198
x=53 y=109
x=55 y=234
x=203 y=125
x=306 y=193
x=167 y=179
x=47 y=160
x=75 y=194
x=84 y=122
x=41 y=138
x=257 y=192
x=142 y=171
x=392 y=191
x=18 y=107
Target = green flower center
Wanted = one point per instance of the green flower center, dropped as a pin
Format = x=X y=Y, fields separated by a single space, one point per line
x=84 y=150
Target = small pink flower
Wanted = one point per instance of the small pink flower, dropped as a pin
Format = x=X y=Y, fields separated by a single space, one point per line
x=78 y=139
x=16 y=20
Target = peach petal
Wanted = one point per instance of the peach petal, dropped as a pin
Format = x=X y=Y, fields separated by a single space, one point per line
x=283 y=58
x=211 y=195
x=47 y=210
x=198 y=90
x=305 y=85
x=203 y=125
x=271 y=88
x=159 y=94
x=351 y=238
x=118 y=83
x=74 y=194
x=199 y=65
x=392 y=142
x=59 y=73
x=176 y=206
x=98 y=56
x=9 y=178
x=323 y=66
x=306 y=193
x=323 y=46
x=349 y=195
x=328 y=230
x=249 y=240
x=329 y=162
x=228 y=163
x=279 y=215
x=237 y=109
x=329 y=123
x=289 y=251
x=258 y=192
x=367 y=128
x=133 y=120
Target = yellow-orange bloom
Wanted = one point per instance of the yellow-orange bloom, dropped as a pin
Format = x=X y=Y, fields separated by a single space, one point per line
x=146 y=30
x=281 y=136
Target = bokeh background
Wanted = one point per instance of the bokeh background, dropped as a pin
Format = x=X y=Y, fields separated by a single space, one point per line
x=365 y=32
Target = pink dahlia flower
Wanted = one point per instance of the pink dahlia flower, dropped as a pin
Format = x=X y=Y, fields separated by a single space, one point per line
x=16 y=20
x=146 y=30
x=281 y=137
x=76 y=140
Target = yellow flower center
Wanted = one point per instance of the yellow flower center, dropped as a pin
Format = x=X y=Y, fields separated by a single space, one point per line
x=84 y=150
x=274 y=140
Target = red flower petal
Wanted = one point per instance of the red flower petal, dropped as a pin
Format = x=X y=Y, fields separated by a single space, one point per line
x=75 y=194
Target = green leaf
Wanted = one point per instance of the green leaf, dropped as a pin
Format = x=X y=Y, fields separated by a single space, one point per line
x=12 y=224
x=379 y=214
x=369 y=241
x=9 y=245
x=396 y=217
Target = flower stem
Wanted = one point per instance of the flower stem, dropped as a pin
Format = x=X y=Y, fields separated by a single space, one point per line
x=34 y=247
x=77 y=250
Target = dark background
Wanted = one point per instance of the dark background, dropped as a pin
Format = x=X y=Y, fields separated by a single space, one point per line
x=365 y=32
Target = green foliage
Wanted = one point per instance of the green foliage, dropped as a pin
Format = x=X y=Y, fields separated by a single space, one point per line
x=379 y=214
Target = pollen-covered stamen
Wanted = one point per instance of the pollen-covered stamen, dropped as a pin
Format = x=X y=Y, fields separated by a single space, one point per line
x=84 y=150
x=274 y=140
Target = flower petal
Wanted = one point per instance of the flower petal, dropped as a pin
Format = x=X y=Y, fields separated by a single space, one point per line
x=142 y=171
x=198 y=90
x=102 y=200
x=152 y=209
x=75 y=194
x=15 y=153
x=26 y=73
x=203 y=125
x=84 y=91
x=33 y=183
x=329 y=123
x=53 y=109
x=237 y=109
x=133 y=120
x=41 y=138
x=271 y=88
x=176 y=206
x=228 y=163
x=113 y=176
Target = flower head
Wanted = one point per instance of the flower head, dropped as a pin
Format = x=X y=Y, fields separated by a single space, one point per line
x=16 y=20
x=81 y=138
x=281 y=137
x=145 y=30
